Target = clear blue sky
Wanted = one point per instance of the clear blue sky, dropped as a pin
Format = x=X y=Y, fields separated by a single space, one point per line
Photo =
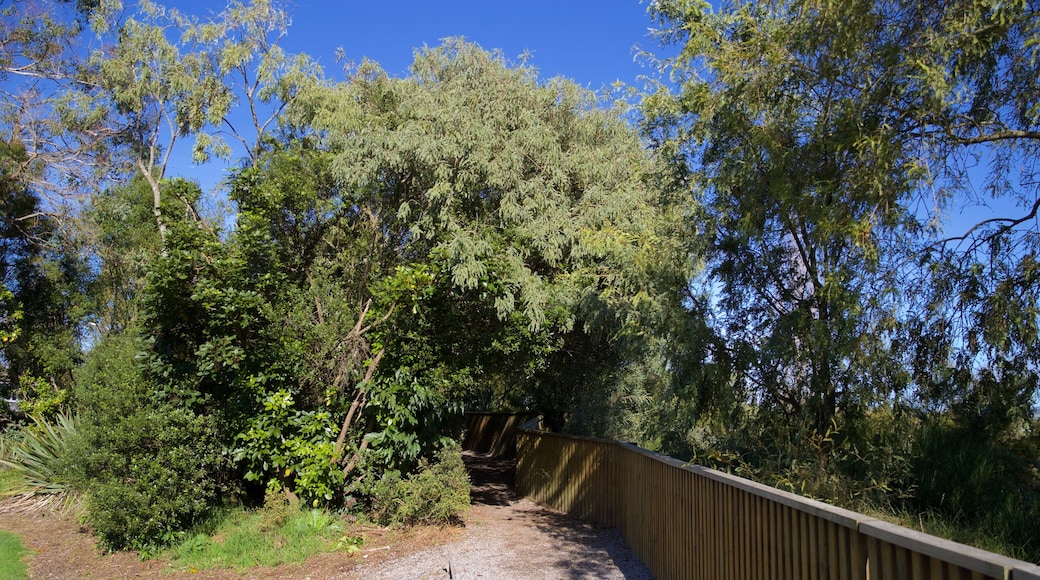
x=589 y=41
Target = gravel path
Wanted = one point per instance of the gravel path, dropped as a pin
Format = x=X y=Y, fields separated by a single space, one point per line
x=511 y=537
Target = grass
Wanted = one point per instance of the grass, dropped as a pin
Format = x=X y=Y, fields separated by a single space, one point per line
x=10 y=482
x=11 y=553
x=991 y=538
x=266 y=537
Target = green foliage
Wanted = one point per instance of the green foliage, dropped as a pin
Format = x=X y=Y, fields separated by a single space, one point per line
x=293 y=446
x=534 y=207
x=11 y=553
x=133 y=441
x=436 y=493
x=374 y=283
x=983 y=486
x=127 y=508
x=39 y=457
x=41 y=398
x=829 y=142
x=119 y=230
x=42 y=281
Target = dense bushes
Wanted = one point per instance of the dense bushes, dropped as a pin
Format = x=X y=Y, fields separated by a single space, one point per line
x=984 y=487
x=150 y=468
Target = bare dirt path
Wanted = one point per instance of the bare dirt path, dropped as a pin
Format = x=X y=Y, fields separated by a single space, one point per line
x=504 y=537
x=510 y=537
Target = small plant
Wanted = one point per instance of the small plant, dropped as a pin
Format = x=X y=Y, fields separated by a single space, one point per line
x=277 y=508
x=35 y=459
x=321 y=521
x=350 y=544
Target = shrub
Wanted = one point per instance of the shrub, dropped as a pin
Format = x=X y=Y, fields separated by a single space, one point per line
x=436 y=493
x=151 y=469
x=154 y=480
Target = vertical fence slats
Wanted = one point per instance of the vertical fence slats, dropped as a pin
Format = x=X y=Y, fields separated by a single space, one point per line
x=686 y=521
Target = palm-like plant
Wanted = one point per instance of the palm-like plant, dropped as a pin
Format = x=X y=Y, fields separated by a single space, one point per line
x=35 y=455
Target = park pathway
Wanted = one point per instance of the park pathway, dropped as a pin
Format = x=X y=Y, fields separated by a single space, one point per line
x=508 y=536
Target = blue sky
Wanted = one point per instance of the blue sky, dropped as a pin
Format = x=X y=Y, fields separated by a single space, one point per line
x=590 y=42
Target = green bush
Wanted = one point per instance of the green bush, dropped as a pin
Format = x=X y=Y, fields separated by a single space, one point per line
x=151 y=469
x=436 y=493
x=154 y=480
x=986 y=488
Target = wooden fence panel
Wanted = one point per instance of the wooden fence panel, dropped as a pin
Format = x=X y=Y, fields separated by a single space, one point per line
x=494 y=433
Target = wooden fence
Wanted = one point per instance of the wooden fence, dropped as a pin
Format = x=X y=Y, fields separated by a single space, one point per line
x=687 y=521
x=494 y=433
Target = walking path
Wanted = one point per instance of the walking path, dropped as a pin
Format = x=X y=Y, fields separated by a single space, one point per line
x=505 y=537
x=511 y=537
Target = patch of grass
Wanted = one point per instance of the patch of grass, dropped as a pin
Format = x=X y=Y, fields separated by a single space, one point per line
x=9 y=482
x=266 y=537
x=11 y=553
x=937 y=524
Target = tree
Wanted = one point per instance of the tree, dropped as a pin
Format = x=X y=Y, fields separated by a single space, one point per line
x=42 y=279
x=64 y=137
x=805 y=180
x=171 y=76
x=413 y=244
x=829 y=140
x=162 y=89
x=538 y=207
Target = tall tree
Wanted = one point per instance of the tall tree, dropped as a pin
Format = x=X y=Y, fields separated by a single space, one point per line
x=64 y=136
x=831 y=141
x=429 y=239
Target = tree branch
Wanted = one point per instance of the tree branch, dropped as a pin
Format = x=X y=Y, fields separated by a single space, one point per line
x=1005 y=135
x=1010 y=223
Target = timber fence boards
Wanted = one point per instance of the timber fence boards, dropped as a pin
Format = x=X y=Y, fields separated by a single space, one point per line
x=494 y=433
x=688 y=521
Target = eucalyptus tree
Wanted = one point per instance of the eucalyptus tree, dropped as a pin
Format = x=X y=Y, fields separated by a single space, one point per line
x=64 y=138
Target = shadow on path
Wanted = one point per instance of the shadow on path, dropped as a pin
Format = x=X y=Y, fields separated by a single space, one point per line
x=491 y=479
x=579 y=549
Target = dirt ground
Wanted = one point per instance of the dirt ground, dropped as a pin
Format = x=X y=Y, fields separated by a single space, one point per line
x=504 y=537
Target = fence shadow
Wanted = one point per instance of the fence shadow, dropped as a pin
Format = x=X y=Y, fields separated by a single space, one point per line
x=586 y=550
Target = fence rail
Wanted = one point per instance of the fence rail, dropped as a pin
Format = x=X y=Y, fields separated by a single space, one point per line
x=688 y=521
